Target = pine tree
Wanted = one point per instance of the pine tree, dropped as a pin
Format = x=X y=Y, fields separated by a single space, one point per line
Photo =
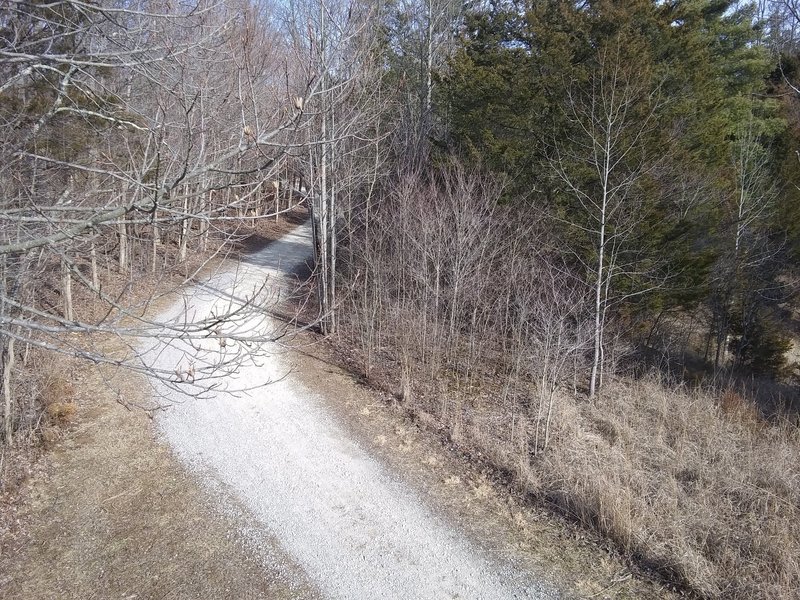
x=701 y=76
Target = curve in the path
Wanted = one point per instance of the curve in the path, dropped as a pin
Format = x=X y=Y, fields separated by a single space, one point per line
x=346 y=521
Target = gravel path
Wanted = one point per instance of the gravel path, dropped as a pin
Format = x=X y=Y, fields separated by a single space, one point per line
x=348 y=523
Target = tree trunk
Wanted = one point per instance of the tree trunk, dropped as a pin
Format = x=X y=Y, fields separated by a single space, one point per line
x=598 y=301
x=185 y=228
x=323 y=231
x=8 y=367
x=156 y=238
x=123 y=245
x=66 y=289
x=95 y=277
x=428 y=72
x=323 y=187
x=204 y=225
x=332 y=237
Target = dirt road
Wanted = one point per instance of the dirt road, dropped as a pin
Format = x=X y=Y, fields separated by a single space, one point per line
x=353 y=528
x=312 y=486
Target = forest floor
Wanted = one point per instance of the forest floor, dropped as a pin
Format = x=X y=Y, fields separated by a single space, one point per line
x=115 y=510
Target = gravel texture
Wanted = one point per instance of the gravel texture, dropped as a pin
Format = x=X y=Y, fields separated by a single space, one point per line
x=262 y=438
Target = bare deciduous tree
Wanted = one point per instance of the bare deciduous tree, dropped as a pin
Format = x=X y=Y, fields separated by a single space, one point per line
x=601 y=164
x=132 y=134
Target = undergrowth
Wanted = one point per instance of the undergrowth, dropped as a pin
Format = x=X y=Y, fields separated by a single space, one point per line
x=692 y=483
x=45 y=403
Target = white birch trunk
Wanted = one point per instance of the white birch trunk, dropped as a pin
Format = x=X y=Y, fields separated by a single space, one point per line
x=123 y=245
x=156 y=236
x=8 y=367
x=205 y=209
x=95 y=277
x=185 y=228
x=323 y=196
x=5 y=358
x=599 y=284
x=428 y=68
x=66 y=289
x=332 y=236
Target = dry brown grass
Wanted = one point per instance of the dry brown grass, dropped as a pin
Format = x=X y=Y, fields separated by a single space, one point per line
x=110 y=514
x=690 y=483
x=693 y=484
x=58 y=399
x=45 y=404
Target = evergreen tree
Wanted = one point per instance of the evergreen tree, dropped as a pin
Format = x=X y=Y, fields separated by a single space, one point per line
x=700 y=75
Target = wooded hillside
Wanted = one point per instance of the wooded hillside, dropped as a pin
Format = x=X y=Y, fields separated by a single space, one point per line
x=566 y=234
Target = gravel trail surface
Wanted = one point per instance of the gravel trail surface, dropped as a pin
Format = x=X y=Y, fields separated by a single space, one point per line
x=349 y=524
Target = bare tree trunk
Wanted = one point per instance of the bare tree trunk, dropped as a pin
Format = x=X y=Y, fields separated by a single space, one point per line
x=314 y=206
x=66 y=289
x=332 y=236
x=95 y=277
x=323 y=230
x=204 y=224
x=552 y=388
x=276 y=185
x=598 y=327
x=156 y=238
x=8 y=367
x=123 y=245
x=599 y=284
x=428 y=72
x=185 y=227
x=323 y=187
